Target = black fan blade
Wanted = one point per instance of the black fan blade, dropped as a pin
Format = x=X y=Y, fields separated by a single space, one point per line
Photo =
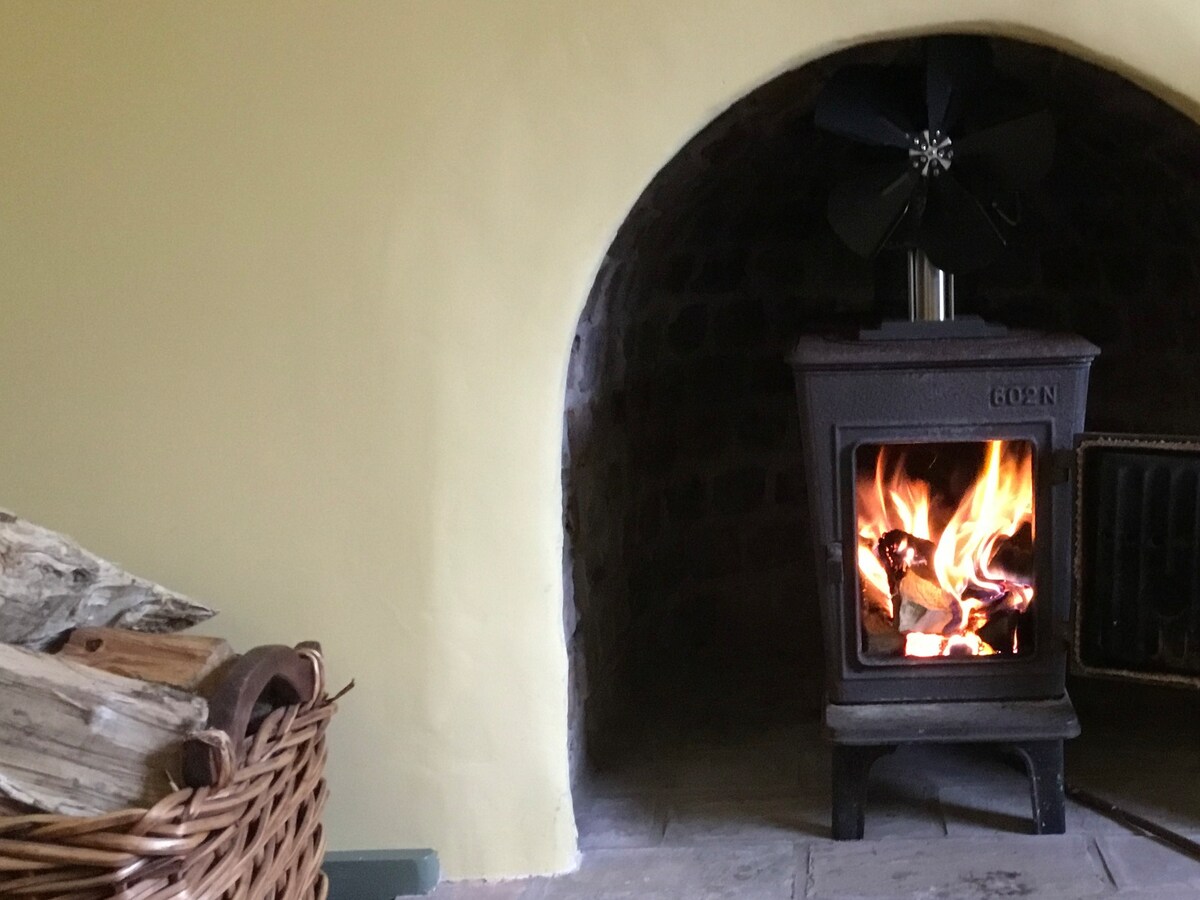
x=956 y=232
x=863 y=104
x=1012 y=155
x=955 y=69
x=865 y=208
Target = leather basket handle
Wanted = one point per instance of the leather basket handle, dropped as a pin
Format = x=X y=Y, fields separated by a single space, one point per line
x=275 y=674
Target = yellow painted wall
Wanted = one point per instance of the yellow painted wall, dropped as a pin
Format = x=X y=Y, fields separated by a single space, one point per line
x=286 y=295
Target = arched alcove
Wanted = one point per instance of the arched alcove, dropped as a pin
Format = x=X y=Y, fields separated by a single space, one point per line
x=689 y=587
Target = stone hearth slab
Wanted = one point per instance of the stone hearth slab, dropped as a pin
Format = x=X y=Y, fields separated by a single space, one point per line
x=744 y=821
x=609 y=823
x=754 y=872
x=1142 y=863
x=957 y=869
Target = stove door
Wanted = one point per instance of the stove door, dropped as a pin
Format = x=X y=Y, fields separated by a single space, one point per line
x=1136 y=585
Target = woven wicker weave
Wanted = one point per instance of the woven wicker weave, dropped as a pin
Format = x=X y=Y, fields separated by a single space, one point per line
x=256 y=833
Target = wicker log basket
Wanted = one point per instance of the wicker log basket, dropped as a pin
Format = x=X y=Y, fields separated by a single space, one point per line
x=247 y=826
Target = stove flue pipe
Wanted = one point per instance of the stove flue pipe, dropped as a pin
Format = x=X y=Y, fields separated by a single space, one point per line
x=930 y=290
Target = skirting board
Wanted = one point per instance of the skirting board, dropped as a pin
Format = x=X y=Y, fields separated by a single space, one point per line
x=380 y=874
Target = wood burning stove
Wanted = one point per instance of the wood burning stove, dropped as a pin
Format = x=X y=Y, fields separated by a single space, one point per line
x=938 y=456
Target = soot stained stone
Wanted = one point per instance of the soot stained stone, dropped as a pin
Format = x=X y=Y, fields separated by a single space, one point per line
x=739 y=490
x=739 y=324
x=769 y=376
x=762 y=428
x=1069 y=266
x=717 y=378
x=710 y=551
x=703 y=432
x=789 y=488
x=1176 y=275
x=778 y=543
x=678 y=272
x=721 y=273
x=660 y=450
x=687 y=330
x=1126 y=269
x=687 y=500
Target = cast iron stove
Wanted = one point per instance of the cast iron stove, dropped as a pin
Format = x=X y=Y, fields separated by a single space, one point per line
x=937 y=454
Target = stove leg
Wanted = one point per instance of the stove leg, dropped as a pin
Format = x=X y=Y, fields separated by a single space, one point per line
x=1044 y=763
x=851 y=766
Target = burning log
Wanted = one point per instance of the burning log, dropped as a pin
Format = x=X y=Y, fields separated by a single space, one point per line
x=1000 y=630
x=923 y=605
x=883 y=637
x=900 y=551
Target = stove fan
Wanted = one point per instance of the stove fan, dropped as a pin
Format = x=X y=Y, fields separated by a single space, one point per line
x=937 y=155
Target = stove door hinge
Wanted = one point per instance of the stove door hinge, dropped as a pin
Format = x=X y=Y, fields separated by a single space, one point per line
x=1062 y=466
x=833 y=563
x=1064 y=634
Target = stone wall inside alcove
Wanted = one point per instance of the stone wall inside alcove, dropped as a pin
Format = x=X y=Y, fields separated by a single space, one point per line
x=686 y=548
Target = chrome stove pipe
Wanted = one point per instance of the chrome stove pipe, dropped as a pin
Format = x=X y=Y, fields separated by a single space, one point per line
x=930 y=290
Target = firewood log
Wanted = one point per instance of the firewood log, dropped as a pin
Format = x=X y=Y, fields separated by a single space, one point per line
x=79 y=741
x=49 y=585
x=185 y=661
x=882 y=637
x=900 y=551
x=924 y=605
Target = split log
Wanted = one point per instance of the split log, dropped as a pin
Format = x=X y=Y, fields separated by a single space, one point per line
x=12 y=808
x=78 y=741
x=924 y=605
x=49 y=585
x=184 y=661
x=900 y=551
x=882 y=637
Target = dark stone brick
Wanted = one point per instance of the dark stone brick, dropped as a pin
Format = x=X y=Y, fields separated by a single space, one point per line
x=739 y=324
x=687 y=330
x=763 y=427
x=687 y=500
x=785 y=311
x=1175 y=275
x=647 y=523
x=703 y=431
x=780 y=542
x=715 y=378
x=678 y=272
x=1067 y=267
x=710 y=552
x=769 y=376
x=789 y=488
x=721 y=272
x=1127 y=269
x=659 y=449
x=739 y=490
x=778 y=264
x=645 y=341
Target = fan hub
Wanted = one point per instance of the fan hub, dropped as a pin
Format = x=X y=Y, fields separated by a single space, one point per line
x=931 y=152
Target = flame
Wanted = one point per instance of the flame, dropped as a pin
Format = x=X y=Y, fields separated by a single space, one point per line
x=965 y=538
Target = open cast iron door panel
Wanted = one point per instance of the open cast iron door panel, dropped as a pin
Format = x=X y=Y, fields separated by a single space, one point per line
x=1137 y=558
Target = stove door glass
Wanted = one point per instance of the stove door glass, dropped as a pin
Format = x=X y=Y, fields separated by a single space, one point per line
x=945 y=550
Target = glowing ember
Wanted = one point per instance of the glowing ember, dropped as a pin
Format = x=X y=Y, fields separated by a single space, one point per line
x=937 y=565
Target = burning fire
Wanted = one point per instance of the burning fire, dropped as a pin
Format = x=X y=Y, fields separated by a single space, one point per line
x=930 y=566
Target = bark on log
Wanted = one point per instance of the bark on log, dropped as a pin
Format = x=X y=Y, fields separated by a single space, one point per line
x=185 y=661
x=49 y=585
x=77 y=741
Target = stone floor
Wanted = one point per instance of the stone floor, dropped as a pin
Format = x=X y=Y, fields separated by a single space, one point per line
x=743 y=813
